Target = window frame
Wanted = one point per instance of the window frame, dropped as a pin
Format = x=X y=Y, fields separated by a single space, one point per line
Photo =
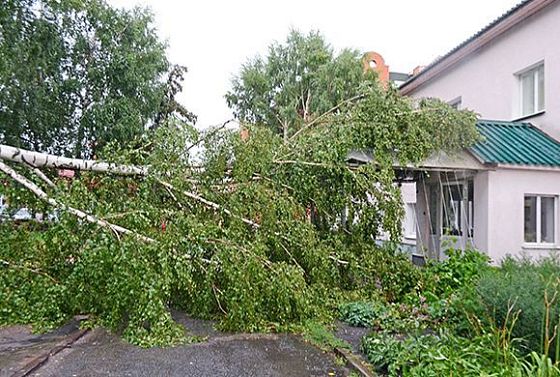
x=410 y=223
x=534 y=70
x=538 y=221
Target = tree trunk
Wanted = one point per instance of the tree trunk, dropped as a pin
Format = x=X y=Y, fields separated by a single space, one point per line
x=36 y=190
x=44 y=160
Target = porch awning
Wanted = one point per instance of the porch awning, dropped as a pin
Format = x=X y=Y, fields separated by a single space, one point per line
x=461 y=160
x=515 y=143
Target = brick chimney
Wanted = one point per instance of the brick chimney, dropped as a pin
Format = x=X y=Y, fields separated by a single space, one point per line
x=418 y=69
x=375 y=62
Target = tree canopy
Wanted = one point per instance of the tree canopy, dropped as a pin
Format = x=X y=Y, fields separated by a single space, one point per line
x=75 y=75
x=295 y=82
x=248 y=231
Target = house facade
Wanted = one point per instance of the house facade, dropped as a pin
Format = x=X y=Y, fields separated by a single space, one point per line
x=505 y=198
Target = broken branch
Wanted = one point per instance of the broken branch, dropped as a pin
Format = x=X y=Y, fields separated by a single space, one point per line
x=36 y=190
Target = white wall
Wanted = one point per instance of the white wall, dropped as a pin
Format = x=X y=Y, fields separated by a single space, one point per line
x=481 y=237
x=486 y=80
x=505 y=212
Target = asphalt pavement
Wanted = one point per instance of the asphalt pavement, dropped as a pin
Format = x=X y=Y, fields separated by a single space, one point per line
x=101 y=353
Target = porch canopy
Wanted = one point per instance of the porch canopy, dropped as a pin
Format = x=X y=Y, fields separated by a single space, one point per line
x=502 y=144
x=444 y=212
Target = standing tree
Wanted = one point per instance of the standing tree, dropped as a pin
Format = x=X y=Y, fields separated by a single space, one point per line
x=75 y=75
x=296 y=82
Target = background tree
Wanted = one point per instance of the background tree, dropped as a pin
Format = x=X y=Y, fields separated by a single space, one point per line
x=295 y=82
x=75 y=75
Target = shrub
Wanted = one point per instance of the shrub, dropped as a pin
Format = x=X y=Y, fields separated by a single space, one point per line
x=361 y=314
x=531 y=288
x=461 y=269
x=445 y=354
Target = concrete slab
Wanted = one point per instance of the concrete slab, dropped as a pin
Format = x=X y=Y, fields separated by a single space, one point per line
x=21 y=350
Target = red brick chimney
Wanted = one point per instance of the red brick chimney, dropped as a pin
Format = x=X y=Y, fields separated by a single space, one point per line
x=374 y=61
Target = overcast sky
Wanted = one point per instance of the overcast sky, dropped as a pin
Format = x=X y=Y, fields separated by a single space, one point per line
x=213 y=38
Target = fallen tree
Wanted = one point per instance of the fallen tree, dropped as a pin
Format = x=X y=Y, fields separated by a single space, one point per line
x=248 y=232
x=45 y=160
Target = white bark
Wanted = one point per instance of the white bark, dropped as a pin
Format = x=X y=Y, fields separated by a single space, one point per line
x=211 y=204
x=45 y=160
x=36 y=160
x=80 y=214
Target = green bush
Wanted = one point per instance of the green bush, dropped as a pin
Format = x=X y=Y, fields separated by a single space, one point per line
x=445 y=354
x=521 y=285
x=461 y=269
x=361 y=314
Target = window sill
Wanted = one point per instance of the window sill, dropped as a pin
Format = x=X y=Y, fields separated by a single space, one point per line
x=525 y=117
x=409 y=240
x=540 y=246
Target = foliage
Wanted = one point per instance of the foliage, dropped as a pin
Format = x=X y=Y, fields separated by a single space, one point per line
x=361 y=314
x=296 y=82
x=460 y=269
x=446 y=289
x=259 y=233
x=75 y=75
x=319 y=335
x=444 y=354
x=470 y=319
x=530 y=288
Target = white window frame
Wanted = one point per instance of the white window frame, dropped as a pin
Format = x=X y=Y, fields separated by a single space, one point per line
x=410 y=223
x=532 y=70
x=538 y=221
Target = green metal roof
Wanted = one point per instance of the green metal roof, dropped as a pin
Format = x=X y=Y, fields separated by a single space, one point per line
x=515 y=143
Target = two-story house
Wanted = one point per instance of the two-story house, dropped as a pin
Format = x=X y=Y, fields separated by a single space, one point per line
x=502 y=195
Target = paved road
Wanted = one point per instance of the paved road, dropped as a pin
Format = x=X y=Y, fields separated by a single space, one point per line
x=102 y=354
x=19 y=346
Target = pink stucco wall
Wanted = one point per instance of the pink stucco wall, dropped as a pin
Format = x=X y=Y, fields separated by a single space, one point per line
x=481 y=237
x=503 y=217
x=486 y=80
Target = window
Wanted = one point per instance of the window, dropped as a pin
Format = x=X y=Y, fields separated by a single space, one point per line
x=540 y=219
x=531 y=86
x=408 y=193
x=409 y=223
x=458 y=209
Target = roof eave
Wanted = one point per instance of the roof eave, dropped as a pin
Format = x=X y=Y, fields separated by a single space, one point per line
x=528 y=167
x=475 y=43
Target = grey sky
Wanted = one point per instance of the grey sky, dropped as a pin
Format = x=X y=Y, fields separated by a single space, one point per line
x=213 y=38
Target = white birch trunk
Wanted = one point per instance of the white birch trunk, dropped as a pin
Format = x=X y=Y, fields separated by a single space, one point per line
x=37 y=160
x=80 y=214
x=45 y=160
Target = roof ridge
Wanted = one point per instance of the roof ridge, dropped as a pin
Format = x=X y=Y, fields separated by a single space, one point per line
x=473 y=38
